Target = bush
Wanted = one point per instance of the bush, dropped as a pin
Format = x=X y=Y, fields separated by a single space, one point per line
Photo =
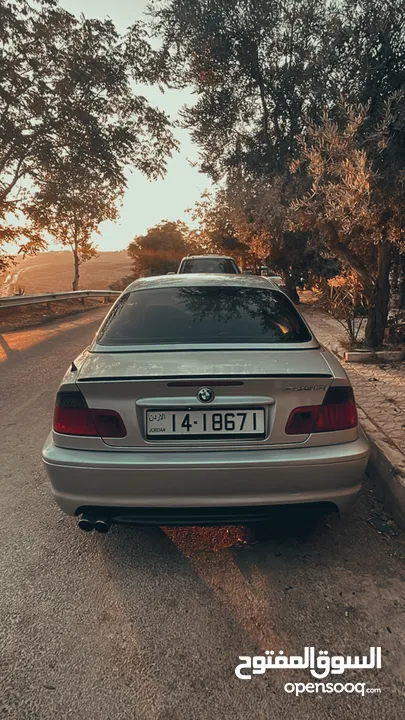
x=122 y=283
x=347 y=304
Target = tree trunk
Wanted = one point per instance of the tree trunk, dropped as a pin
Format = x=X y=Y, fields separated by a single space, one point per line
x=346 y=254
x=379 y=305
x=76 y=260
x=396 y=269
x=402 y=282
x=261 y=83
x=291 y=287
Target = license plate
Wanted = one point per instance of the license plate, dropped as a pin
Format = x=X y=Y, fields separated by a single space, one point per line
x=205 y=423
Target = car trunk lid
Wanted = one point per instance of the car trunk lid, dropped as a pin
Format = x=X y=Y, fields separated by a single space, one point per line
x=274 y=382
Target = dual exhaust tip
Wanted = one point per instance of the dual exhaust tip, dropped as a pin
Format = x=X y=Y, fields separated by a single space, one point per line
x=100 y=524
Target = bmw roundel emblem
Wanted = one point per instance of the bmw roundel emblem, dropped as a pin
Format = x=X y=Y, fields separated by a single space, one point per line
x=205 y=395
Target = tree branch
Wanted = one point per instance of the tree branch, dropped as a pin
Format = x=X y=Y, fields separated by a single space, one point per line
x=260 y=82
x=344 y=252
x=17 y=176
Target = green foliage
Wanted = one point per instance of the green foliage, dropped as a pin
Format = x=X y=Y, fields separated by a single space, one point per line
x=217 y=227
x=257 y=68
x=161 y=249
x=354 y=201
x=269 y=78
x=67 y=105
x=70 y=205
x=122 y=283
x=246 y=218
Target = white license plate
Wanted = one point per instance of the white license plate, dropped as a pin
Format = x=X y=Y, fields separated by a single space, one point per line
x=204 y=423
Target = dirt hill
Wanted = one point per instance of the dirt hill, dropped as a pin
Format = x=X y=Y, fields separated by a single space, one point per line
x=53 y=272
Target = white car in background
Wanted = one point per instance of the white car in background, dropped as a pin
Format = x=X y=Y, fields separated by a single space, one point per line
x=209 y=264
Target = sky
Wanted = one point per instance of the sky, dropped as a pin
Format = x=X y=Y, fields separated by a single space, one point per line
x=148 y=202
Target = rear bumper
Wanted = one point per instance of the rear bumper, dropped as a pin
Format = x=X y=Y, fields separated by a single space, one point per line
x=224 y=479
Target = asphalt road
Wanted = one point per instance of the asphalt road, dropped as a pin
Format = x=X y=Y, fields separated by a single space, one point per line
x=148 y=624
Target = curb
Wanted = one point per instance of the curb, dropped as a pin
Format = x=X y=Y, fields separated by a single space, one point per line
x=386 y=470
x=375 y=357
x=386 y=466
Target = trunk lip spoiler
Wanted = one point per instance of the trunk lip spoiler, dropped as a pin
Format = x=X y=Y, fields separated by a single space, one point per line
x=96 y=349
x=204 y=379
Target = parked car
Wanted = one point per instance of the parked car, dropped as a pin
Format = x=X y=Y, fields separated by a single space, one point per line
x=276 y=279
x=265 y=272
x=209 y=264
x=203 y=399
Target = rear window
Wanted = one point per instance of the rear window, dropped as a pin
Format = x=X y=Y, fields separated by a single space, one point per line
x=195 y=315
x=209 y=265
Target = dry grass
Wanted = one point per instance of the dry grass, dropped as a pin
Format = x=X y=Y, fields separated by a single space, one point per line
x=53 y=272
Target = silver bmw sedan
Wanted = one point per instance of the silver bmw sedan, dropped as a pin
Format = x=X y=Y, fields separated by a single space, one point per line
x=203 y=399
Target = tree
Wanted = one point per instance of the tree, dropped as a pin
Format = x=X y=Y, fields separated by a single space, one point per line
x=262 y=73
x=257 y=69
x=70 y=207
x=246 y=217
x=217 y=232
x=66 y=96
x=402 y=282
x=161 y=249
x=25 y=51
x=355 y=201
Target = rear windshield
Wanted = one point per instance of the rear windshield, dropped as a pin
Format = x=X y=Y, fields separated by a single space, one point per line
x=195 y=315
x=209 y=265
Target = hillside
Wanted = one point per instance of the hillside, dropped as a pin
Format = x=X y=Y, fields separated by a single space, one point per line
x=53 y=272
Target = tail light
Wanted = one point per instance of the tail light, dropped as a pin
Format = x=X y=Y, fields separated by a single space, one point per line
x=72 y=416
x=337 y=412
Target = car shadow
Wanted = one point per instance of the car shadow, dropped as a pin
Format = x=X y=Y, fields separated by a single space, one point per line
x=199 y=597
x=189 y=636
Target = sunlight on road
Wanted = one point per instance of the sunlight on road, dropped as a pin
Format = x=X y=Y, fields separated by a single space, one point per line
x=211 y=552
x=12 y=343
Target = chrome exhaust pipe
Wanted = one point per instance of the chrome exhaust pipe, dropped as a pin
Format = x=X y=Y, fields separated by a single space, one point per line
x=102 y=525
x=86 y=523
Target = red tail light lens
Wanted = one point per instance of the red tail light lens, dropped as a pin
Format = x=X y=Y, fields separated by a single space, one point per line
x=337 y=412
x=302 y=420
x=74 y=421
x=108 y=423
x=73 y=417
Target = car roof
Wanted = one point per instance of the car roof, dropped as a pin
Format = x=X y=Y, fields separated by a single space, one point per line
x=199 y=257
x=201 y=279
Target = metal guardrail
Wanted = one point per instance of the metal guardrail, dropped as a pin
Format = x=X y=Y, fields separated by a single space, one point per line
x=19 y=300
